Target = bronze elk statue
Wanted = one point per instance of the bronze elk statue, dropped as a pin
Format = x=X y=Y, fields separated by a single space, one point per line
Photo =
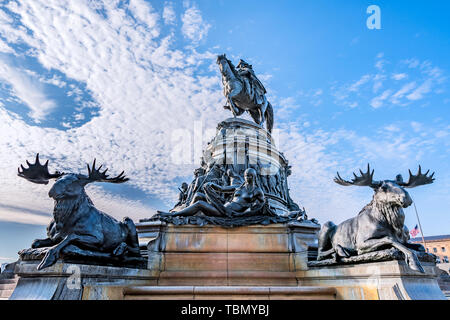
x=379 y=225
x=78 y=228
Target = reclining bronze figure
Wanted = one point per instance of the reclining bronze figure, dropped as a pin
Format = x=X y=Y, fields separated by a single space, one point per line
x=247 y=199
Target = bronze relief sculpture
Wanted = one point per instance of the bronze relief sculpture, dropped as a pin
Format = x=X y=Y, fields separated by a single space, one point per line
x=247 y=198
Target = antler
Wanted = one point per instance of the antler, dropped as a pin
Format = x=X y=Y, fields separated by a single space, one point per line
x=37 y=173
x=96 y=175
x=366 y=179
x=419 y=179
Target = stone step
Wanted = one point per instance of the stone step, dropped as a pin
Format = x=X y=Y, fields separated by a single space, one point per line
x=7 y=286
x=8 y=281
x=228 y=292
x=6 y=293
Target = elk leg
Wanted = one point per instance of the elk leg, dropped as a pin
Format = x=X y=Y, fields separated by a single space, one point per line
x=373 y=244
x=416 y=246
x=120 y=250
x=41 y=243
x=343 y=252
x=53 y=254
x=325 y=254
x=132 y=239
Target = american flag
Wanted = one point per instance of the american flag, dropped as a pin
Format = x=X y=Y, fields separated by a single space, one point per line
x=414 y=231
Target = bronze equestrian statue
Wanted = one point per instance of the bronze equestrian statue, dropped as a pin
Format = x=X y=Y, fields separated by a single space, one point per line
x=379 y=225
x=244 y=91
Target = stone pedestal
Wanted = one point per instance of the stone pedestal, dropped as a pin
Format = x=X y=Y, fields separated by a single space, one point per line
x=211 y=262
x=228 y=293
x=258 y=255
x=388 y=280
x=65 y=281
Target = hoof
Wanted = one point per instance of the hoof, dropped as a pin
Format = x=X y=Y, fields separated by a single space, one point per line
x=414 y=263
x=120 y=250
x=36 y=244
x=50 y=259
x=417 y=267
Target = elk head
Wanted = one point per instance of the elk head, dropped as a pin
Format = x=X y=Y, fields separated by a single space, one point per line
x=67 y=185
x=388 y=192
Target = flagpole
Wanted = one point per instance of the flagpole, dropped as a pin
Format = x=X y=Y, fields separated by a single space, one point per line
x=420 y=226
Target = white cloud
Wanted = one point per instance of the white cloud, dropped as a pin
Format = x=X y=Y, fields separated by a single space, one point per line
x=138 y=81
x=420 y=92
x=28 y=90
x=5 y=48
x=411 y=63
x=355 y=86
x=396 y=97
x=431 y=78
x=378 y=101
x=169 y=14
x=399 y=76
x=378 y=82
x=22 y=216
x=194 y=28
x=143 y=12
x=145 y=88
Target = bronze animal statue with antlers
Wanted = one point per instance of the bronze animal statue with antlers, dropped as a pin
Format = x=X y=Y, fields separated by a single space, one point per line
x=379 y=225
x=78 y=228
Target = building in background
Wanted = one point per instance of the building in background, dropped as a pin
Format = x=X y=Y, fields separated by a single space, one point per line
x=437 y=245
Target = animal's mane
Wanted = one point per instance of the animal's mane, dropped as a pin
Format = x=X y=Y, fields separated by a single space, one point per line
x=232 y=67
x=64 y=207
x=385 y=212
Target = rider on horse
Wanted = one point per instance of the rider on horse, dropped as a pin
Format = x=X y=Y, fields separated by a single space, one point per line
x=244 y=92
x=254 y=87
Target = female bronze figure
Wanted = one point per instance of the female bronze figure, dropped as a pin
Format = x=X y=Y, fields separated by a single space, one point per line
x=248 y=199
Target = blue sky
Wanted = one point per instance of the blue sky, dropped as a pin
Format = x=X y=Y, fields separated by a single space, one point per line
x=111 y=79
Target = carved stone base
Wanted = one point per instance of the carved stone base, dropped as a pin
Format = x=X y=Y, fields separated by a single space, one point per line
x=387 y=280
x=377 y=256
x=75 y=255
x=257 y=255
x=228 y=293
x=65 y=281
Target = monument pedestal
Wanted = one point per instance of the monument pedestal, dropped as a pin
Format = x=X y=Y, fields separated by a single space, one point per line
x=212 y=262
x=66 y=281
x=387 y=280
x=191 y=255
x=228 y=293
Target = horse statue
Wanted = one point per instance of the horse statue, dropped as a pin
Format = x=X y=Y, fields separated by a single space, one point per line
x=244 y=92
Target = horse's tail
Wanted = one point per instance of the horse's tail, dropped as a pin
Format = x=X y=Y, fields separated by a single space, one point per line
x=269 y=117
